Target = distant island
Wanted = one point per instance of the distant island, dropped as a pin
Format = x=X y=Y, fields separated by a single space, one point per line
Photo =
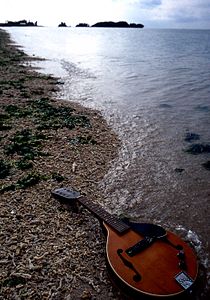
x=62 y=24
x=18 y=23
x=82 y=25
x=107 y=24
x=121 y=24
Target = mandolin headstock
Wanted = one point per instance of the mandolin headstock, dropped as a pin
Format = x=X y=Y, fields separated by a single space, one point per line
x=65 y=194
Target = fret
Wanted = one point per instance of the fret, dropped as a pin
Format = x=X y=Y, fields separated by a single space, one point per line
x=102 y=214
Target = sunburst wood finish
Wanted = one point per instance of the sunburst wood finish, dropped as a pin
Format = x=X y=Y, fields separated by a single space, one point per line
x=150 y=272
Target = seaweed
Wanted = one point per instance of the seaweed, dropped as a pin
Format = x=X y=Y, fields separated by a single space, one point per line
x=4 y=117
x=7 y=188
x=26 y=144
x=4 y=169
x=17 y=84
x=25 y=94
x=45 y=115
x=50 y=117
x=4 y=62
x=82 y=140
x=29 y=180
x=4 y=126
x=24 y=164
x=4 y=120
x=18 y=112
x=58 y=177
x=38 y=92
x=13 y=281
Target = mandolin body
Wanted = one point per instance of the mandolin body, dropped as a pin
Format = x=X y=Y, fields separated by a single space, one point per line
x=151 y=272
x=143 y=259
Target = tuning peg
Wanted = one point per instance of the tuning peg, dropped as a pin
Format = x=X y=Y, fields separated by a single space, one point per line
x=181 y=254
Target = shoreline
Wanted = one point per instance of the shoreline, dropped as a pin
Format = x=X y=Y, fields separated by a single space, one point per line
x=47 y=143
x=49 y=251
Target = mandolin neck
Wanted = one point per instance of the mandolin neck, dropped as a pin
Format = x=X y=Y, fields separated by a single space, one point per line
x=103 y=215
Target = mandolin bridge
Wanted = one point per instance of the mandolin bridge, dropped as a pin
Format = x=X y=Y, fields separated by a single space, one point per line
x=140 y=246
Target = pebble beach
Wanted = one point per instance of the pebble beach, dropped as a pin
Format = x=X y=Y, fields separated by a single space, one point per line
x=48 y=250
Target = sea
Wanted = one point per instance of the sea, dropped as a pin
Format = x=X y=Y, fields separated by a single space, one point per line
x=153 y=88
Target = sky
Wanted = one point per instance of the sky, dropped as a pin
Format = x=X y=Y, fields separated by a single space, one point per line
x=152 y=13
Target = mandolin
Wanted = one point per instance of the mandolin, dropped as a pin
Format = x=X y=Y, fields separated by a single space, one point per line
x=144 y=259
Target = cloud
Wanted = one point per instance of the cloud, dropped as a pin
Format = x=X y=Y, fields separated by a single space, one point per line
x=150 y=3
x=174 y=10
x=192 y=13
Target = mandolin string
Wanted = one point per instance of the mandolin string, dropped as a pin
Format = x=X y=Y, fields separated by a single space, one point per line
x=113 y=221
